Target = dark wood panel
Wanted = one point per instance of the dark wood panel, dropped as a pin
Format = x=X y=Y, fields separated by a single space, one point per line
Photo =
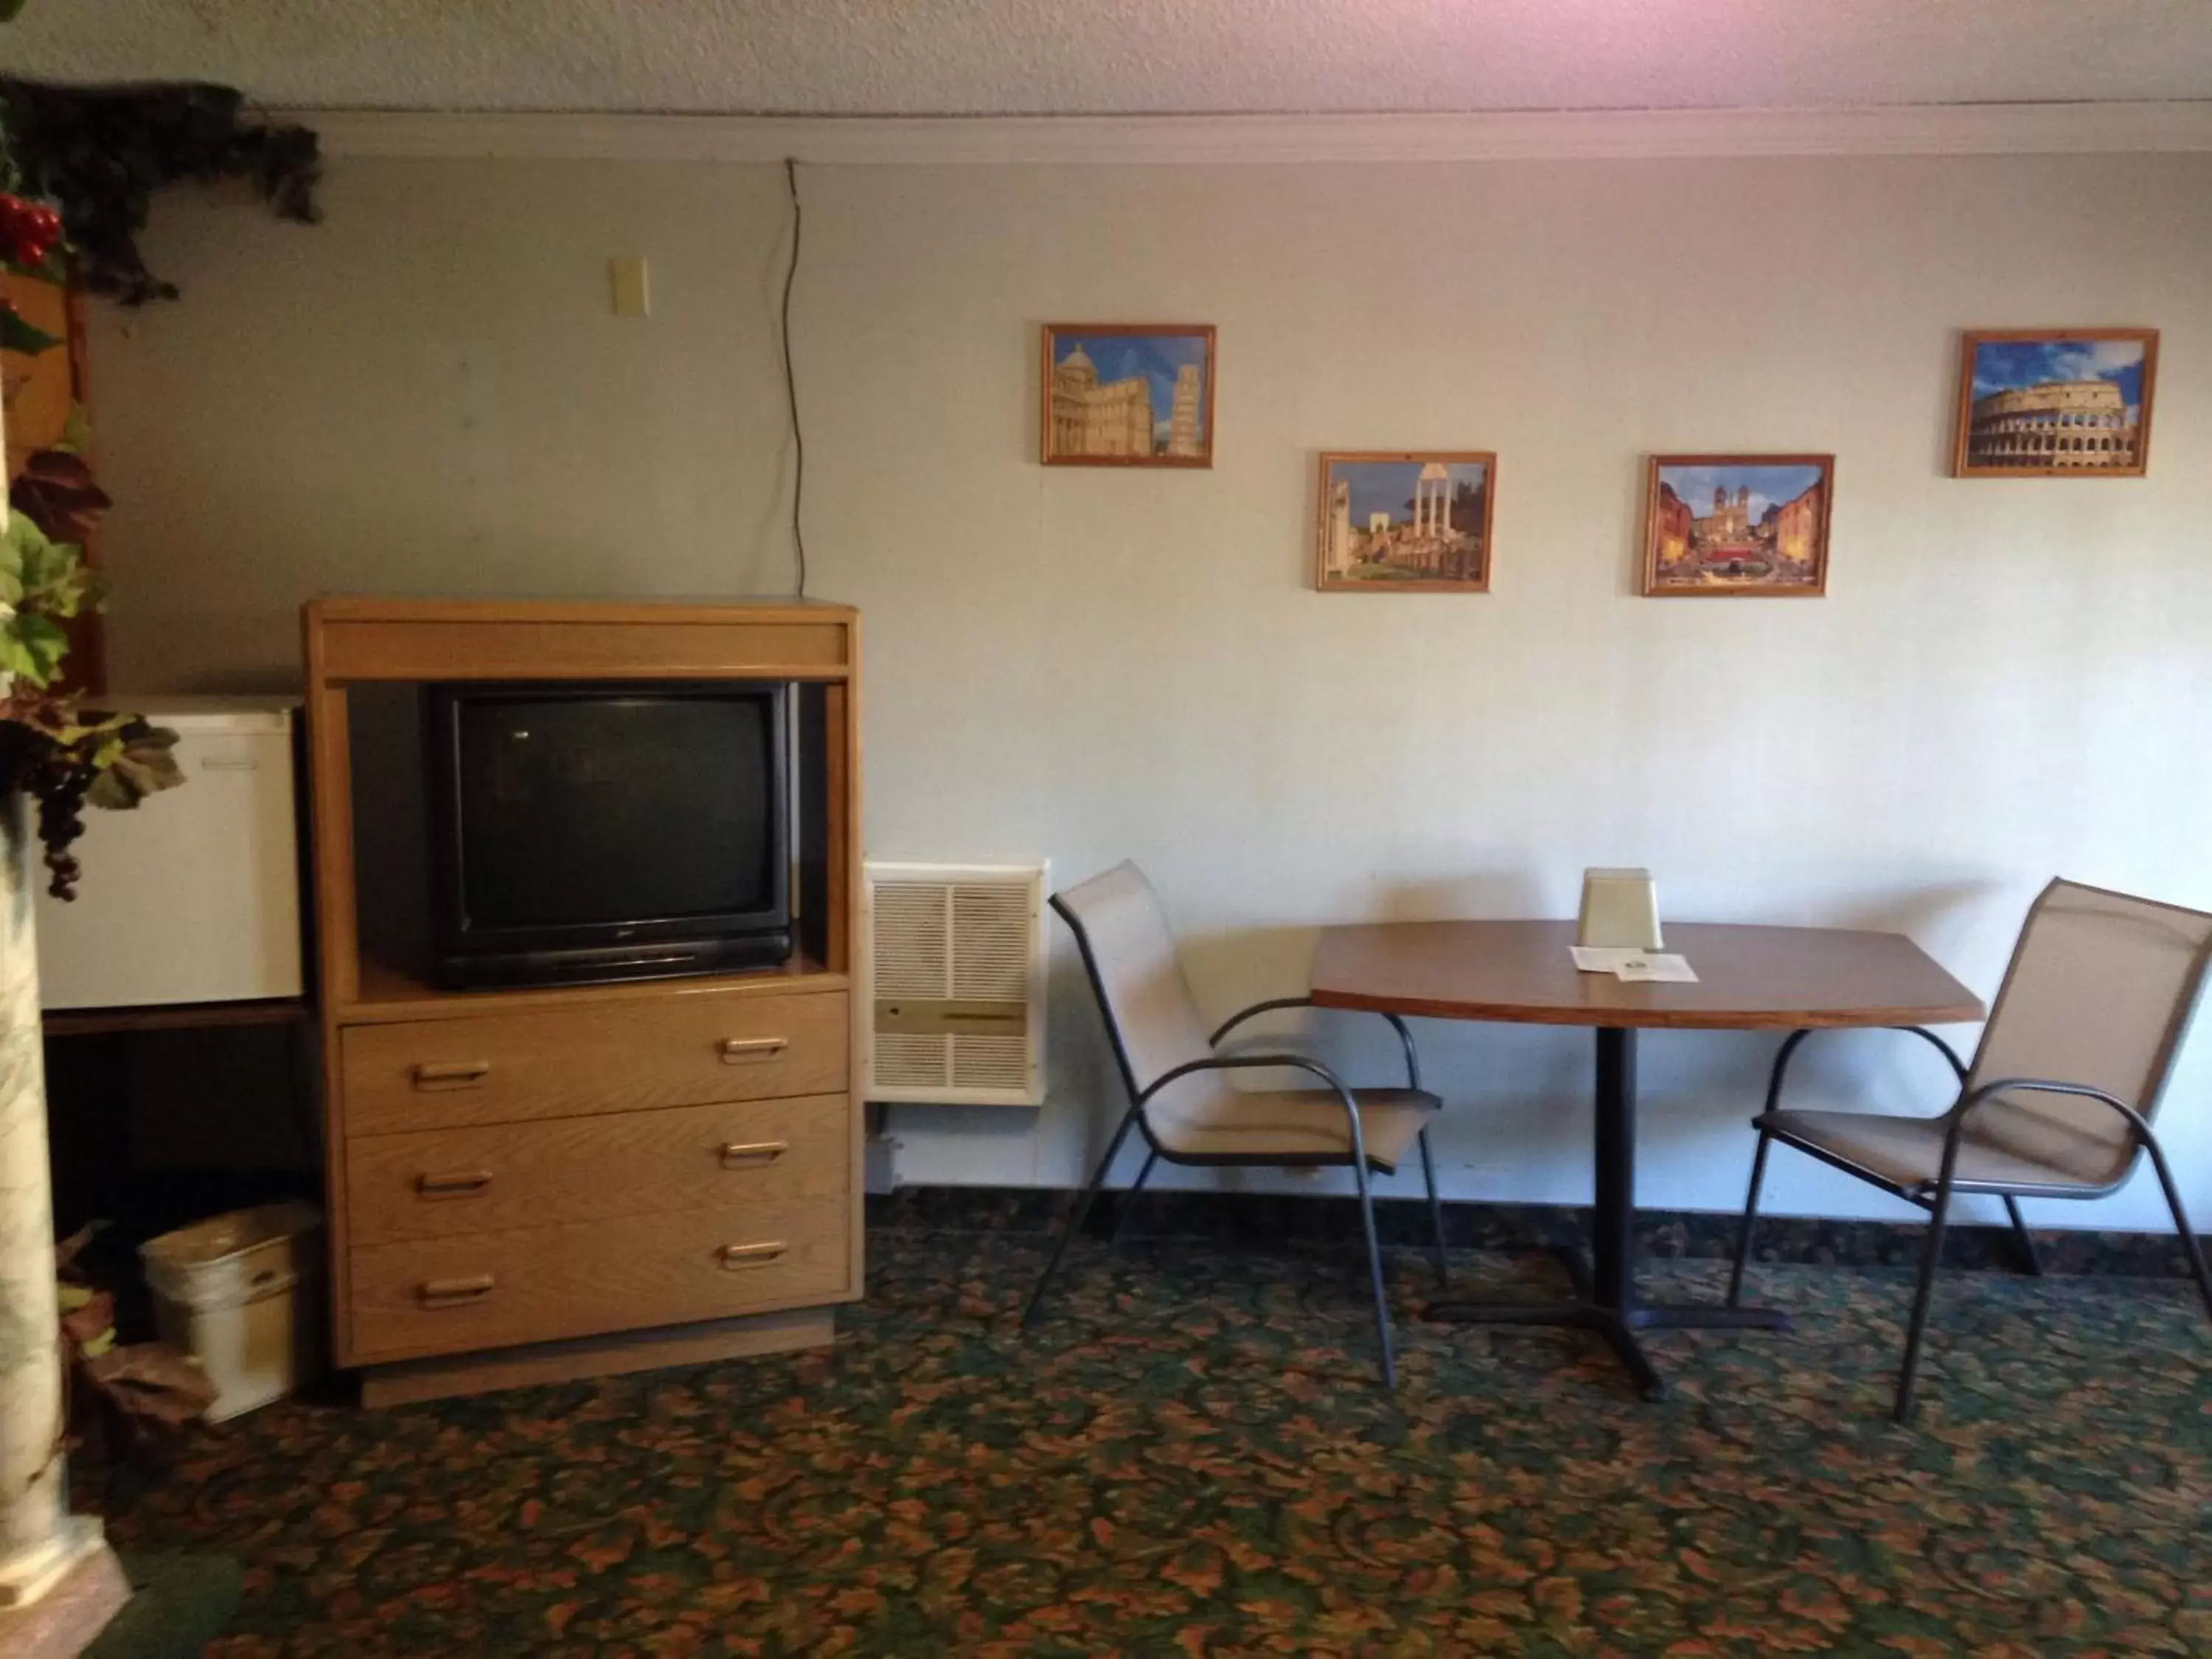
x=174 y=1017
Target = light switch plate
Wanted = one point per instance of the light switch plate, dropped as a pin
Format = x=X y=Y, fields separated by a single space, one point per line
x=626 y=281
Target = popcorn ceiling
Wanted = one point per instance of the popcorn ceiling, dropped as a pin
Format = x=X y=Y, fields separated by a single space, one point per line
x=1042 y=57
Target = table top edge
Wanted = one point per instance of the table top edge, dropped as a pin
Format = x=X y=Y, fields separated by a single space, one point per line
x=1972 y=1012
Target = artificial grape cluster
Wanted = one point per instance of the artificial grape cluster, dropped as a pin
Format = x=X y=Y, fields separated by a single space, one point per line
x=61 y=821
x=58 y=778
x=29 y=231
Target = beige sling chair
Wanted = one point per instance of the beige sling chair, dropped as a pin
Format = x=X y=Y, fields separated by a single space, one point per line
x=2059 y=1100
x=1187 y=1109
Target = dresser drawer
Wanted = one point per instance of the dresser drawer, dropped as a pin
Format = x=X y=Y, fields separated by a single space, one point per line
x=542 y=1284
x=440 y=1184
x=611 y=1057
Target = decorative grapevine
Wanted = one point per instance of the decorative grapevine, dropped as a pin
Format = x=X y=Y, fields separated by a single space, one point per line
x=99 y=154
x=78 y=170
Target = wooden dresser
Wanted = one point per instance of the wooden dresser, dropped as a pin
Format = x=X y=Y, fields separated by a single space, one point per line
x=528 y=1185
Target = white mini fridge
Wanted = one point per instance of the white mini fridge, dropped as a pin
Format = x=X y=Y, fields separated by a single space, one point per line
x=194 y=896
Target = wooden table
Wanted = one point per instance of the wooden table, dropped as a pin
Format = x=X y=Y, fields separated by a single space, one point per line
x=1750 y=979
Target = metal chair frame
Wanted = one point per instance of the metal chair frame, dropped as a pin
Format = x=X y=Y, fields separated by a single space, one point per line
x=1935 y=1196
x=1357 y=1159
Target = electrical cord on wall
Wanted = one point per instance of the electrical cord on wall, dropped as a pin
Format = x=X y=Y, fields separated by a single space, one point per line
x=791 y=384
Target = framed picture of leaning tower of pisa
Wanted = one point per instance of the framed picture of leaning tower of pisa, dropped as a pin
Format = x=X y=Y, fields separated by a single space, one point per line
x=2059 y=402
x=1128 y=394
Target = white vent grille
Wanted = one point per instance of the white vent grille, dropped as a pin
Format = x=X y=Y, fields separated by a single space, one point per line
x=912 y=922
x=957 y=1011
x=912 y=1062
x=991 y=1062
x=992 y=949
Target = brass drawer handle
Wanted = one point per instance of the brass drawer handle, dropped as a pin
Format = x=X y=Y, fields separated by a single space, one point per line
x=452 y=1292
x=736 y=1153
x=459 y=1184
x=452 y=1074
x=738 y=1049
x=752 y=1256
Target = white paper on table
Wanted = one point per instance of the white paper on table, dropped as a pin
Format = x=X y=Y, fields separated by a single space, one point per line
x=1663 y=969
x=1604 y=958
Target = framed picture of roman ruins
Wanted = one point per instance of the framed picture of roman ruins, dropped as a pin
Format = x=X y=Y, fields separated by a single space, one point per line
x=1128 y=394
x=1720 y=525
x=2054 y=403
x=1405 y=521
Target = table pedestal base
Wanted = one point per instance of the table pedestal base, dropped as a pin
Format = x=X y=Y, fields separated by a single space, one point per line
x=1605 y=1288
x=1618 y=1328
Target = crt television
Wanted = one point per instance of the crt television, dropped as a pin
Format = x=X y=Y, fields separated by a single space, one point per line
x=588 y=831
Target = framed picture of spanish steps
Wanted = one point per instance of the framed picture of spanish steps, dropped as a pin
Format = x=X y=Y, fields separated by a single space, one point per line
x=1128 y=394
x=2060 y=403
x=1743 y=526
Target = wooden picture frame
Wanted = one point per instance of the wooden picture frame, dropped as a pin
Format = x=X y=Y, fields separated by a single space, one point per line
x=1442 y=545
x=1764 y=533
x=1149 y=403
x=2054 y=403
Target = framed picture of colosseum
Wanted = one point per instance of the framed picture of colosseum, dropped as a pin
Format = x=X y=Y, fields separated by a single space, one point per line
x=1128 y=394
x=1716 y=526
x=1405 y=521
x=2055 y=403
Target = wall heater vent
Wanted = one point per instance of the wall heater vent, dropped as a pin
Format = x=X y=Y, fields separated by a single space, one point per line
x=957 y=951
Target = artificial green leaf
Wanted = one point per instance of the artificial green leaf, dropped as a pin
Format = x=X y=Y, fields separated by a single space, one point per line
x=17 y=335
x=145 y=767
x=32 y=646
x=22 y=544
x=43 y=566
x=73 y=731
x=76 y=431
x=71 y=590
x=36 y=573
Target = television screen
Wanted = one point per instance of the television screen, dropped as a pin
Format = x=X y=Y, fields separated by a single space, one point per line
x=597 y=810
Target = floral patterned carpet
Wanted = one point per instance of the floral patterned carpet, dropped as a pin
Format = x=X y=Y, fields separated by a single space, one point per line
x=1188 y=1455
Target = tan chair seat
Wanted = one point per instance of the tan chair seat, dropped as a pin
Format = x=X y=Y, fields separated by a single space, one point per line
x=2091 y=1013
x=1909 y=1150
x=1300 y=1125
x=1191 y=1110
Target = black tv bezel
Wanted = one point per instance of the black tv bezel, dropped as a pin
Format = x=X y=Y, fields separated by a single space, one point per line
x=456 y=939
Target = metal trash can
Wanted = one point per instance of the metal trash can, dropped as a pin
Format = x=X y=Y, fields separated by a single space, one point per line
x=242 y=1294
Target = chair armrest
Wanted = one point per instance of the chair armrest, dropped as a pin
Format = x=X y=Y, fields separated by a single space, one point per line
x=2035 y=1086
x=1790 y=1044
x=1239 y=1062
x=1969 y=1104
x=1405 y=1037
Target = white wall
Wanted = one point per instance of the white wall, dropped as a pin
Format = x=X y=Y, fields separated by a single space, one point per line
x=2007 y=679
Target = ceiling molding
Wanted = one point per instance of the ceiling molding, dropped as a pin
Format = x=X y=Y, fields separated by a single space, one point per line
x=1928 y=130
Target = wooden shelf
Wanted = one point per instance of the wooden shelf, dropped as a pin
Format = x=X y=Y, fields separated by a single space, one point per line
x=595 y=613
x=547 y=1059
x=391 y=995
x=174 y=1017
x=418 y=639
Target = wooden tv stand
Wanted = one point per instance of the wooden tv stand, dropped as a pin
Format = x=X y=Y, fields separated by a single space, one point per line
x=526 y=1186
